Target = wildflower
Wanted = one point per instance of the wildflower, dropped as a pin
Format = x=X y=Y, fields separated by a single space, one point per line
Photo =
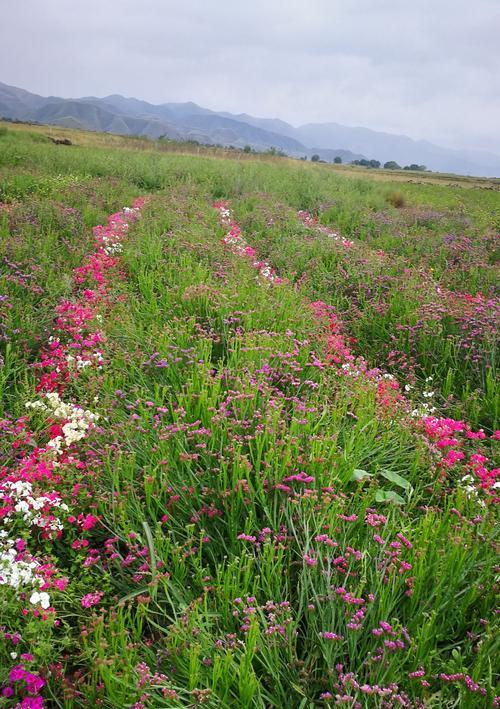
x=40 y=598
x=327 y=635
x=91 y=599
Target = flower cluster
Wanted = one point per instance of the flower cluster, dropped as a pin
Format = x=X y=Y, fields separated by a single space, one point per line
x=239 y=246
x=452 y=442
x=31 y=505
x=273 y=617
x=314 y=224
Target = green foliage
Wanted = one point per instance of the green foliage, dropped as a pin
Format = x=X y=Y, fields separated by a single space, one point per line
x=392 y=165
x=414 y=167
x=211 y=399
x=367 y=163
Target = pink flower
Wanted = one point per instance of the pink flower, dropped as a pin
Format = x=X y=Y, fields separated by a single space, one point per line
x=88 y=522
x=91 y=599
x=34 y=683
x=328 y=635
x=32 y=703
x=17 y=673
x=310 y=560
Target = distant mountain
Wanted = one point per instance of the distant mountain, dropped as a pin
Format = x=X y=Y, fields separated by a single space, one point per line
x=18 y=102
x=404 y=150
x=87 y=115
x=273 y=124
x=188 y=121
x=178 y=121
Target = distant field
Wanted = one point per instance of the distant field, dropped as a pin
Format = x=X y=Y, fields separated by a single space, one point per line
x=249 y=427
x=88 y=138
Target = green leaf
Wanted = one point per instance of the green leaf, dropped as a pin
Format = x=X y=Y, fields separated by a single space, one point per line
x=389 y=496
x=360 y=475
x=396 y=479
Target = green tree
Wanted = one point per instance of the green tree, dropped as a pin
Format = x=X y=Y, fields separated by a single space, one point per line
x=392 y=165
x=315 y=158
x=363 y=162
x=337 y=159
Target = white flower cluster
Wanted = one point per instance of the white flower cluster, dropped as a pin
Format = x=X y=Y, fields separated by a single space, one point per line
x=225 y=215
x=350 y=369
x=17 y=573
x=425 y=409
x=470 y=489
x=266 y=271
x=41 y=597
x=25 y=504
x=131 y=210
x=112 y=243
x=78 y=420
x=112 y=247
x=80 y=362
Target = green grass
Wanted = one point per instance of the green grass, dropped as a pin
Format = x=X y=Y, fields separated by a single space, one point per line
x=218 y=582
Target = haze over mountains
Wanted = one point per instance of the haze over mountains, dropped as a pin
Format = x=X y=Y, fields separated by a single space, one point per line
x=188 y=121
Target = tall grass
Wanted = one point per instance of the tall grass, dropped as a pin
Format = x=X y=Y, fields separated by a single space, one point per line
x=270 y=531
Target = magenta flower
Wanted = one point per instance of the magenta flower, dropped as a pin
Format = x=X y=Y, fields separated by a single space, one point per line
x=17 y=673
x=328 y=635
x=91 y=599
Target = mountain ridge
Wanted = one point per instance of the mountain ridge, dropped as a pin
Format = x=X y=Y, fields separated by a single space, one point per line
x=189 y=121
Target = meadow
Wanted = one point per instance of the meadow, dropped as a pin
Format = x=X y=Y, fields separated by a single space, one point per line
x=249 y=422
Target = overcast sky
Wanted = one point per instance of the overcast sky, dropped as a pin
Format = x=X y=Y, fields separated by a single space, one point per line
x=426 y=68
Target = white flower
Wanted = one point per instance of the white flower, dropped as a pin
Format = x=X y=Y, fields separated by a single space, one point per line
x=15 y=573
x=42 y=598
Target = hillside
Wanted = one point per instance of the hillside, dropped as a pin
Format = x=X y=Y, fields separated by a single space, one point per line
x=116 y=114
x=249 y=422
x=188 y=121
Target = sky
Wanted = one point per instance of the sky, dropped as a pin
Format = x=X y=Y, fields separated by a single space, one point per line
x=429 y=69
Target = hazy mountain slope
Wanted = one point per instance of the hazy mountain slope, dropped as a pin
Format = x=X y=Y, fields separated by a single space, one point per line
x=127 y=116
x=386 y=146
x=237 y=133
x=329 y=154
x=94 y=117
x=197 y=123
x=87 y=114
x=181 y=121
x=273 y=124
x=18 y=102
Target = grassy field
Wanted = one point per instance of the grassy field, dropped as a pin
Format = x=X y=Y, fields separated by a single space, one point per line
x=248 y=430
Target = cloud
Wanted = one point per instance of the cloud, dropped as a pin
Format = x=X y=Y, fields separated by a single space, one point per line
x=427 y=69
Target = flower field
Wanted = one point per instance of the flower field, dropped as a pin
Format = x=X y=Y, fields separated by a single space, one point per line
x=249 y=421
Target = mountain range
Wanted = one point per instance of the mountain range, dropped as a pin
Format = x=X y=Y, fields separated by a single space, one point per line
x=188 y=121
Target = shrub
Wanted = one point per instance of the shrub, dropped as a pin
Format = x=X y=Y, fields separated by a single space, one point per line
x=397 y=199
